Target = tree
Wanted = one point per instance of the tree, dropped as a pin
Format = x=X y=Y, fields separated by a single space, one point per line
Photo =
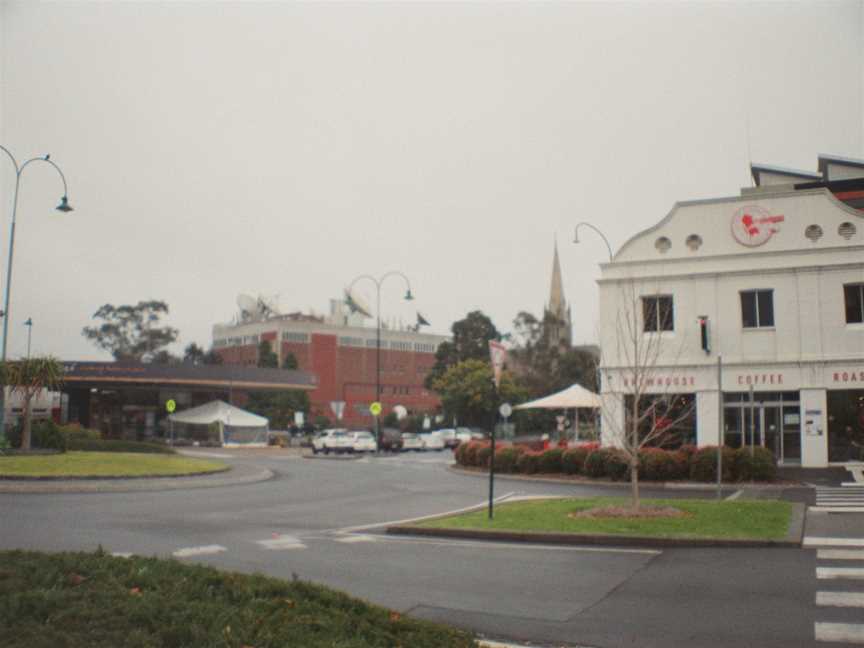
x=29 y=377
x=651 y=414
x=266 y=358
x=544 y=366
x=279 y=407
x=194 y=354
x=467 y=392
x=290 y=361
x=129 y=332
x=471 y=336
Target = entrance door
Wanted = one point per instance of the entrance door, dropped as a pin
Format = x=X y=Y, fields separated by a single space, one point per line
x=782 y=432
x=791 y=434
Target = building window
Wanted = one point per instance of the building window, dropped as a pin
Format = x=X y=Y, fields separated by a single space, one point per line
x=292 y=336
x=658 y=313
x=757 y=308
x=854 y=294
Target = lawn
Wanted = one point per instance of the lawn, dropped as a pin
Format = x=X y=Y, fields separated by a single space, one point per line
x=78 y=600
x=763 y=520
x=103 y=464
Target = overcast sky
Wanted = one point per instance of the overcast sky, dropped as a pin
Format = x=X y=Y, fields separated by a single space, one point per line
x=219 y=148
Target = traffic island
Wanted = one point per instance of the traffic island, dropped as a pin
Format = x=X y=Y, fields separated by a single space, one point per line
x=95 y=600
x=701 y=523
x=104 y=465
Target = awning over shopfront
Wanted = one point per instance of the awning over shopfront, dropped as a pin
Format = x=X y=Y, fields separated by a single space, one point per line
x=574 y=397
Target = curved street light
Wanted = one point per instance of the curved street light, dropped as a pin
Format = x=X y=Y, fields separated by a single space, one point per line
x=355 y=308
x=605 y=240
x=65 y=207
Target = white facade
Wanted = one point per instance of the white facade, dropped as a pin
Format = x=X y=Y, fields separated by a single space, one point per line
x=800 y=247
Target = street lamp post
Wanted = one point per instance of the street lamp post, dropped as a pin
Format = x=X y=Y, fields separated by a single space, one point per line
x=597 y=374
x=64 y=206
x=354 y=307
x=605 y=240
x=29 y=325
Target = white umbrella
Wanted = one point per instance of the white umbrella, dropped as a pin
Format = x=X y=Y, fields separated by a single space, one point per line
x=573 y=397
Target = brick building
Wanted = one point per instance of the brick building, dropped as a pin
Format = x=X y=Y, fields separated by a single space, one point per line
x=341 y=352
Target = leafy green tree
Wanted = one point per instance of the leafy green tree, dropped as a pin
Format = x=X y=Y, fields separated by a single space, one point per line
x=29 y=377
x=279 y=407
x=290 y=361
x=128 y=332
x=467 y=392
x=471 y=336
x=266 y=358
x=193 y=354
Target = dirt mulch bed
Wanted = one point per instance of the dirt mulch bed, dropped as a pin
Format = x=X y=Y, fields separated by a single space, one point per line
x=627 y=512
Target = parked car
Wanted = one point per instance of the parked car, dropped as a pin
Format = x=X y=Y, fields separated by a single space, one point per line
x=448 y=435
x=363 y=441
x=334 y=440
x=432 y=441
x=390 y=440
x=411 y=441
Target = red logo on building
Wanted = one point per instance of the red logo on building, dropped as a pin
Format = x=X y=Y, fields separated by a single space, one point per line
x=753 y=225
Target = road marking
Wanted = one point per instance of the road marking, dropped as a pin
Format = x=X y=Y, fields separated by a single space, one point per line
x=198 y=551
x=360 y=537
x=836 y=509
x=195 y=453
x=856 y=573
x=375 y=525
x=815 y=541
x=840 y=554
x=841 y=632
x=280 y=542
x=735 y=495
x=840 y=599
x=122 y=554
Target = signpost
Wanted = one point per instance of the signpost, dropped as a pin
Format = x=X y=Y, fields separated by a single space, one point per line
x=505 y=411
x=170 y=406
x=375 y=410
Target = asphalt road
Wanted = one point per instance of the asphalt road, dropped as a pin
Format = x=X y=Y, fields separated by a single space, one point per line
x=317 y=520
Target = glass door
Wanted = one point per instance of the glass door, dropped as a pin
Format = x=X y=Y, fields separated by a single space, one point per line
x=791 y=434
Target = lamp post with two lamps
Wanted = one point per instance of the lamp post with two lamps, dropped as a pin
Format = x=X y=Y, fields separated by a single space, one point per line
x=64 y=206
x=357 y=308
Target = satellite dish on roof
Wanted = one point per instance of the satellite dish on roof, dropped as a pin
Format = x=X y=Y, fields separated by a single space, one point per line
x=357 y=304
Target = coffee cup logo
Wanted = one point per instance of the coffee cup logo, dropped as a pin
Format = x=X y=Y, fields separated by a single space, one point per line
x=753 y=225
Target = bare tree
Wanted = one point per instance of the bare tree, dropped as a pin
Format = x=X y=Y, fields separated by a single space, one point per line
x=652 y=411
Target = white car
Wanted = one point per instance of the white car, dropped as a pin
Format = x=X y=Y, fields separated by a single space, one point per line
x=411 y=441
x=364 y=441
x=337 y=440
x=432 y=441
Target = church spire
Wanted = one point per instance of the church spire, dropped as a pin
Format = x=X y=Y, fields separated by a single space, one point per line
x=557 y=304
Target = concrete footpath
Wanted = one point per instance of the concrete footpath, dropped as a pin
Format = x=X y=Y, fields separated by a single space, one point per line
x=238 y=473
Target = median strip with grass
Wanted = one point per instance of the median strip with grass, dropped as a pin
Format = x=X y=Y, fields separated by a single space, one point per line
x=79 y=465
x=700 y=519
x=79 y=600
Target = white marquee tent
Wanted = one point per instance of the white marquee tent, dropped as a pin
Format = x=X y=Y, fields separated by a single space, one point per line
x=236 y=426
x=575 y=396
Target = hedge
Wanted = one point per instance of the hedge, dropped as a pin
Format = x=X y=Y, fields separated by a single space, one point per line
x=655 y=464
x=44 y=434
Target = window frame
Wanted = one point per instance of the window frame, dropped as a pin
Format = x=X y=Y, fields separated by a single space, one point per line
x=860 y=287
x=758 y=315
x=655 y=314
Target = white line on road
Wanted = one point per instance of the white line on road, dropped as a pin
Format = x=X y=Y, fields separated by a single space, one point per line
x=841 y=632
x=280 y=542
x=840 y=599
x=217 y=455
x=735 y=495
x=840 y=554
x=360 y=537
x=122 y=554
x=816 y=541
x=198 y=551
x=856 y=573
x=836 y=509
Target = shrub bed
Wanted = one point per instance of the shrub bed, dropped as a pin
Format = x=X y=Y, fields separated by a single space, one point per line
x=655 y=464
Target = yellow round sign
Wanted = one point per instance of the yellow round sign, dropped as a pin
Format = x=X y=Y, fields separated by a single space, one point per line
x=170 y=405
x=375 y=408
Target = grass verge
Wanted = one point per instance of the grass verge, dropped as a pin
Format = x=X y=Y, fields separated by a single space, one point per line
x=104 y=464
x=78 y=600
x=763 y=520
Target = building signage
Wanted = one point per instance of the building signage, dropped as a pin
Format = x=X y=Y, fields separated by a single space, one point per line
x=760 y=379
x=847 y=376
x=753 y=225
x=663 y=381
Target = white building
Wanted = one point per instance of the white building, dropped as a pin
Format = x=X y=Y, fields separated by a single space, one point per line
x=778 y=275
